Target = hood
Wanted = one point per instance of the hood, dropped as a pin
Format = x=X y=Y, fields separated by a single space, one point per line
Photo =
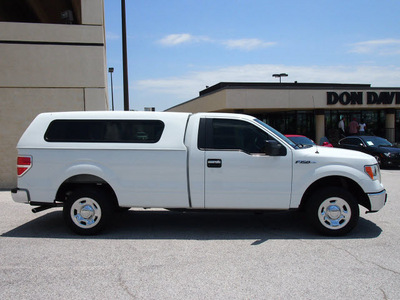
x=336 y=155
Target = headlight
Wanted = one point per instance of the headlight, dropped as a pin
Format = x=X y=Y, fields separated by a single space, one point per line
x=388 y=154
x=373 y=172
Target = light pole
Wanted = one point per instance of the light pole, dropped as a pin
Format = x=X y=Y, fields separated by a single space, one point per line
x=280 y=75
x=111 y=70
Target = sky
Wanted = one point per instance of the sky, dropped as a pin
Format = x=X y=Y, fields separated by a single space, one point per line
x=178 y=47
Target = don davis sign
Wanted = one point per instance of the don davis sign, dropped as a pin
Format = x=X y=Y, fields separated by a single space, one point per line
x=359 y=98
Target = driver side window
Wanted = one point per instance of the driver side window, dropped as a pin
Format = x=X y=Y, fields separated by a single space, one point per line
x=226 y=134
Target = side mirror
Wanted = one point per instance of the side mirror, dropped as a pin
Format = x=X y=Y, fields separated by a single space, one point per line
x=273 y=148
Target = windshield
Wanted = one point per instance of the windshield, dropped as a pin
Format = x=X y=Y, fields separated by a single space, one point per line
x=377 y=141
x=276 y=132
x=301 y=140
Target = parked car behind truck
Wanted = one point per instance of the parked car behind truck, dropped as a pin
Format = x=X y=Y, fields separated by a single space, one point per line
x=384 y=152
x=94 y=162
x=303 y=141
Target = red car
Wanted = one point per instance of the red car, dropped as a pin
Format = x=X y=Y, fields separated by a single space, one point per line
x=303 y=140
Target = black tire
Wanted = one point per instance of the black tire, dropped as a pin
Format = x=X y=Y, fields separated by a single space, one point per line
x=333 y=211
x=87 y=211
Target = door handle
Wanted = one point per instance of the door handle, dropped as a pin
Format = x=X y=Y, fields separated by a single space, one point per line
x=214 y=163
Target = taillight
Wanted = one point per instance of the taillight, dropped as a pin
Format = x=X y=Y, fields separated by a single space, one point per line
x=24 y=163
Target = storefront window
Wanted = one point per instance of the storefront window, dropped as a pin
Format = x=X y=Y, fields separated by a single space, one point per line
x=374 y=119
x=397 y=134
x=294 y=122
x=303 y=122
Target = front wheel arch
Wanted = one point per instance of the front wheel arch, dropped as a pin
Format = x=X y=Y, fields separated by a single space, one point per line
x=337 y=182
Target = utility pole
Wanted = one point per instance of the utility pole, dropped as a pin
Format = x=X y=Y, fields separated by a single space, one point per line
x=125 y=57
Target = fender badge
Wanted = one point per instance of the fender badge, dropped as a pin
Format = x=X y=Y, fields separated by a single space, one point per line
x=305 y=162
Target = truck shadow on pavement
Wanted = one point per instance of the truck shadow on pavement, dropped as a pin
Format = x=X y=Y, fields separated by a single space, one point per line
x=161 y=224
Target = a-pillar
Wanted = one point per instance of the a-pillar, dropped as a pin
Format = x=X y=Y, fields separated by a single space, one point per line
x=319 y=125
x=390 y=124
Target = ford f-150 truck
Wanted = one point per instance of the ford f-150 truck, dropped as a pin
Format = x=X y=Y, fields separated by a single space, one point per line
x=93 y=163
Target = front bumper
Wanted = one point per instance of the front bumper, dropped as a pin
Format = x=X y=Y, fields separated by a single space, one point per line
x=20 y=195
x=377 y=200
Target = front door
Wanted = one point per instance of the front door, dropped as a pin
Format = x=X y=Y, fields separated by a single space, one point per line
x=238 y=173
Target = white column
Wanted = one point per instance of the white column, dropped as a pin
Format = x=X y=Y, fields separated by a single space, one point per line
x=319 y=126
x=390 y=125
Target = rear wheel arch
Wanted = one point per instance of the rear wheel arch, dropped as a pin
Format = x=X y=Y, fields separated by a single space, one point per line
x=84 y=181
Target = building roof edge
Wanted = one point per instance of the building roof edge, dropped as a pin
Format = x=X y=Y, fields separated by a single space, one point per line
x=283 y=85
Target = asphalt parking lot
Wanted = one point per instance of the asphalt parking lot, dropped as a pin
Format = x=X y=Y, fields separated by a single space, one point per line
x=169 y=255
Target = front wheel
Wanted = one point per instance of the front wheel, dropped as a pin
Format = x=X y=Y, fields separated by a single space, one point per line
x=86 y=211
x=333 y=211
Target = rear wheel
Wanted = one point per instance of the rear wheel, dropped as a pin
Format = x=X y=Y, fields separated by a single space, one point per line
x=333 y=211
x=87 y=211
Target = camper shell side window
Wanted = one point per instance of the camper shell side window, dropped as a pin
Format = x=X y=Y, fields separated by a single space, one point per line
x=104 y=131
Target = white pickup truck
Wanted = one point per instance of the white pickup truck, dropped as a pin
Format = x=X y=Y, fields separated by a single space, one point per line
x=93 y=163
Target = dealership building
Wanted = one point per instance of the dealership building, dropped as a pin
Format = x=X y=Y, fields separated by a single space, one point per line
x=310 y=109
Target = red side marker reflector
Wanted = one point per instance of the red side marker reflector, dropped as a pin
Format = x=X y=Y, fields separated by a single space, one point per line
x=24 y=163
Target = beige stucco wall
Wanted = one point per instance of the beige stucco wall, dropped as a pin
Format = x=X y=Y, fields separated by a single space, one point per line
x=48 y=67
x=92 y=12
x=292 y=99
x=18 y=108
x=51 y=66
x=51 y=32
x=255 y=99
x=213 y=102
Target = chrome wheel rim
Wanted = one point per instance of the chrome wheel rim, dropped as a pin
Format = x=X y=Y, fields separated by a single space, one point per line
x=334 y=213
x=85 y=213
